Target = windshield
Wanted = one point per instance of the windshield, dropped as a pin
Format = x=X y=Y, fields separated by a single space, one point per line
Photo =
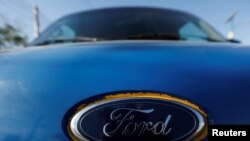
x=124 y=23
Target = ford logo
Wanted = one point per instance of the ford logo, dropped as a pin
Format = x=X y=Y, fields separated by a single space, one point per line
x=138 y=116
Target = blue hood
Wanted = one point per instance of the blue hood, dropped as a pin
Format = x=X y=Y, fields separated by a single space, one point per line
x=39 y=84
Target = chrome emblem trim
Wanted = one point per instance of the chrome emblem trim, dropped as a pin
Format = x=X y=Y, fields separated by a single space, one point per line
x=116 y=120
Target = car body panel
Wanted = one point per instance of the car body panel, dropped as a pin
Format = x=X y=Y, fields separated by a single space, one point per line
x=39 y=85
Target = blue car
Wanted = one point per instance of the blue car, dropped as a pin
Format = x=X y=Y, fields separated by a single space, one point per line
x=128 y=73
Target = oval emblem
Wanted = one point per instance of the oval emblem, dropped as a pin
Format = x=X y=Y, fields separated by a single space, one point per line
x=138 y=116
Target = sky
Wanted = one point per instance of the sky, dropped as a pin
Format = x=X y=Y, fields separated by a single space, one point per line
x=214 y=12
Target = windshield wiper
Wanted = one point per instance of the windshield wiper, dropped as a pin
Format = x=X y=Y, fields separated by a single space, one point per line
x=171 y=36
x=157 y=36
x=68 y=40
x=187 y=36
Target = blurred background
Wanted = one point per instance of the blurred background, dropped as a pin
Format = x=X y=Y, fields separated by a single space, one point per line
x=21 y=21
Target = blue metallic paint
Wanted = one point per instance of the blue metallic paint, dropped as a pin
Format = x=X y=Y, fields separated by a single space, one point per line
x=39 y=85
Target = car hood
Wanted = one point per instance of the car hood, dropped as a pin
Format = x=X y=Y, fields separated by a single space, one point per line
x=39 y=84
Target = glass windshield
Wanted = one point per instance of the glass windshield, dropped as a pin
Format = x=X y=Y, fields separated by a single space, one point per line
x=130 y=23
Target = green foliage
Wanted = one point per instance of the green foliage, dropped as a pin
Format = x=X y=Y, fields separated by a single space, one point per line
x=10 y=36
